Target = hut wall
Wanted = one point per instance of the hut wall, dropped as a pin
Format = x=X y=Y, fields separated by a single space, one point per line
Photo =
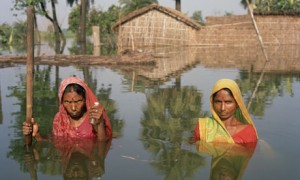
x=155 y=29
x=279 y=30
x=240 y=31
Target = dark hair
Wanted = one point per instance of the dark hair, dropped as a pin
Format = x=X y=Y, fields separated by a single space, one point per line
x=76 y=88
x=226 y=89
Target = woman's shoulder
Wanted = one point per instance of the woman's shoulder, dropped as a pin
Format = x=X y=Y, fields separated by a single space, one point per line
x=246 y=134
x=245 y=128
x=248 y=127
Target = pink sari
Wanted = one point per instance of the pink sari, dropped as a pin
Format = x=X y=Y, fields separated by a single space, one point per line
x=61 y=123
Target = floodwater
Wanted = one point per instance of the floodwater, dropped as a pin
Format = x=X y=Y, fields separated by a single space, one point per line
x=153 y=111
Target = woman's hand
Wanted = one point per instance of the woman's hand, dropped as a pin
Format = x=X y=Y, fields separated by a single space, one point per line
x=32 y=128
x=96 y=114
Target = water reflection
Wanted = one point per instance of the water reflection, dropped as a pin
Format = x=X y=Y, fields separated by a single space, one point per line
x=169 y=113
x=169 y=62
x=228 y=161
x=1 y=113
x=167 y=123
x=170 y=96
x=274 y=77
x=71 y=158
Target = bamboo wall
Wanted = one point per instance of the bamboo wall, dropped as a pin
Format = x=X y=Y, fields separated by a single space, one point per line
x=155 y=29
x=239 y=31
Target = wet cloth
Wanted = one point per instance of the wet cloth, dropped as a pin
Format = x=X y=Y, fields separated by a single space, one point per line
x=228 y=160
x=61 y=123
x=212 y=129
x=246 y=135
x=81 y=157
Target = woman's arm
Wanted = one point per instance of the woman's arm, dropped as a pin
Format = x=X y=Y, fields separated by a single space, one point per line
x=100 y=129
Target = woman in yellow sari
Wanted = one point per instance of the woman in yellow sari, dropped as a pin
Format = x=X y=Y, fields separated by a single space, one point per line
x=230 y=121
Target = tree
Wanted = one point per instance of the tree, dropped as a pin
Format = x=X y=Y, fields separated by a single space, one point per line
x=58 y=34
x=274 y=6
x=105 y=20
x=73 y=19
x=132 y=5
x=178 y=5
x=197 y=16
x=40 y=8
x=84 y=9
x=5 y=32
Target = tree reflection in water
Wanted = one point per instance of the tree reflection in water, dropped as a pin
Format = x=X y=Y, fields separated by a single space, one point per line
x=167 y=123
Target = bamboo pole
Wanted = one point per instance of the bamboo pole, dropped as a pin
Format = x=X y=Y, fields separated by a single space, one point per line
x=257 y=31
x=96 y=38
x=29 y=68
x=264 y=51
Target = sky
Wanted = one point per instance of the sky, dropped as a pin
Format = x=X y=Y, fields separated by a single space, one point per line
x=207 y=7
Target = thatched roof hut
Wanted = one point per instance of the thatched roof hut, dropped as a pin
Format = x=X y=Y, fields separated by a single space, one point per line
x=154 y=26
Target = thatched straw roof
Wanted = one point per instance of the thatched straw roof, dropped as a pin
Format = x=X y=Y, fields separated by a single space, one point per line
x=168 y=11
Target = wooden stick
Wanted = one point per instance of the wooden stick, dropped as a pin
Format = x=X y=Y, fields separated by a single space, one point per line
x=265 y=54
x=257 y=31
x=29 y=68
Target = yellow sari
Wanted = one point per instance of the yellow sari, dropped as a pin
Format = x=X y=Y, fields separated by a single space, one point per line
x=213 y=129
x=228 y=161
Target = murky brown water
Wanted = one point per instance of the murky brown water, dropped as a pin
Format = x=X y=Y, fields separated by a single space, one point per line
x=153 y=112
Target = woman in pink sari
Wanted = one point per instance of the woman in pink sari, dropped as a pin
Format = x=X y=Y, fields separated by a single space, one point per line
x=78 y=105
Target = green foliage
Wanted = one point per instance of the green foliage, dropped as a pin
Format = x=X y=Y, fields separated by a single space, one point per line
x=132 y=5
x=21 y=5
x=19 y=32
x=95 y=17
x=13 y=34
x=105 y=20
x=5 y=31
x=73 y=18
x=110 y=17
x=274 y=7
x=197 y=16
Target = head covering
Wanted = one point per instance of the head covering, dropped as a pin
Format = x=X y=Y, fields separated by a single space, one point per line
x=61 y=122
x=242 y=112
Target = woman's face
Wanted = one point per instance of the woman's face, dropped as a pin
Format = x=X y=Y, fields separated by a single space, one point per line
x=74 y=104
x=224 y=104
